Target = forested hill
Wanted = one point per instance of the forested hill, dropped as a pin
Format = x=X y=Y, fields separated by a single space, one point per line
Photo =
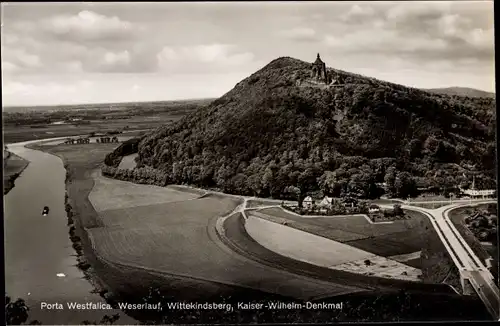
x=461 y=91
x=271 y=132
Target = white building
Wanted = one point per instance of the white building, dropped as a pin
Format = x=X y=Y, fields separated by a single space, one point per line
x=478 y=193
x=474 y=193
x=326 y=202
x=308 y=202
x=373 y=209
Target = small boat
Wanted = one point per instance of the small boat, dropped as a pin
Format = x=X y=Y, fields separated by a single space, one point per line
x=45 y=211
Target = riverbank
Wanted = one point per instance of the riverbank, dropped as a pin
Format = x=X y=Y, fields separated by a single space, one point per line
x=14 y=165
x=80 y=213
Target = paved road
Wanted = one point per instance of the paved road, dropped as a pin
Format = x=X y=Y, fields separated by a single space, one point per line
x=469 y=265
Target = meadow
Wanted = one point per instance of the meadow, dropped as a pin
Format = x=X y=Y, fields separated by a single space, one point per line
x=353 y=227
x=111 y=194
x=128 y=162
x=321 y=251
x=171 y=231
x=385 y=239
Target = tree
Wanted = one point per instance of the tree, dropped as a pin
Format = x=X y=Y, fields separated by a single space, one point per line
x=254 y=184
x=404 y=185
x=398 y=211
x=16 y=312
x=105 y=320
x=267 y=180
x=389 y=179
x=295 y=191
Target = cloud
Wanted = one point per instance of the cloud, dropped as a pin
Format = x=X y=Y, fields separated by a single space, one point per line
x=73 y=66
x=21 y=58
x=85 y=42
x=359 y=13
x=88 y=26
x=116 y=59
x=9 y=67
x=202 y=57
x=44 y=90
x=299 y=34
x=416 y=32
x=387 y=42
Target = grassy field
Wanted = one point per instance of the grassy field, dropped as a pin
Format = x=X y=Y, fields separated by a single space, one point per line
x=351 y=227
x=260 y=202
x=110 y=194
x=308 y=224
x=318 y=250
x=397 y=238
x=172 y=238
x=12 y=168
x=128 y=162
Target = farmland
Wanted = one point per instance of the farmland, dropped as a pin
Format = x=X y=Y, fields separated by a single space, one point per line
x=324 y=252
x=26 y=123
x=409 y=236
x=109 y=194
x=397 y=238
x=252 y=203
x=171 y=238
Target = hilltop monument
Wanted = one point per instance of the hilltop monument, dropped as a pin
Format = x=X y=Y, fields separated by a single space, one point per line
x=318 y=71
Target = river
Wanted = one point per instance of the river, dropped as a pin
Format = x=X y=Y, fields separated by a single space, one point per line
x=40 y=263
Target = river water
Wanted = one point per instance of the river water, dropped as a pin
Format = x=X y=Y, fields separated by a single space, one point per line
x=39 y=258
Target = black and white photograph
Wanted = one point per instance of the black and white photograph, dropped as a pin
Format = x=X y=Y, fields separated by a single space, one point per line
x=267 y=162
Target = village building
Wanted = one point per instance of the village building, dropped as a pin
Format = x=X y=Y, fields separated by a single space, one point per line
x=83 y=141
x=107 y=140
x=308 y=202
x=350 y=202
x=326 y=202
x=475 y=193
x=373 y=208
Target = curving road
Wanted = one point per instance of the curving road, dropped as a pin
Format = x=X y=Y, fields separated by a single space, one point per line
x=471 y=268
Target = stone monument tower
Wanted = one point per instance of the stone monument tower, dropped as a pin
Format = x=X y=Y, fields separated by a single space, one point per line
x=318 y=71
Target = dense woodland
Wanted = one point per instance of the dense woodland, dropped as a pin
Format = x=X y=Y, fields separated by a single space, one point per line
x=268 y=134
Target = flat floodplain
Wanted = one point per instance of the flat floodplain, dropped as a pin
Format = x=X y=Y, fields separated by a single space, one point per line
x=321 y=251
x=177 y=238
x=109 y=194
x=384 y=239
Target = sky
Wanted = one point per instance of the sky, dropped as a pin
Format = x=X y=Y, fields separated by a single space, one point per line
x=74 y=53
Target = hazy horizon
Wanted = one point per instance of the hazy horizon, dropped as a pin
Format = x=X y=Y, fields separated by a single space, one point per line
x=168 y=100
x=99 y=53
